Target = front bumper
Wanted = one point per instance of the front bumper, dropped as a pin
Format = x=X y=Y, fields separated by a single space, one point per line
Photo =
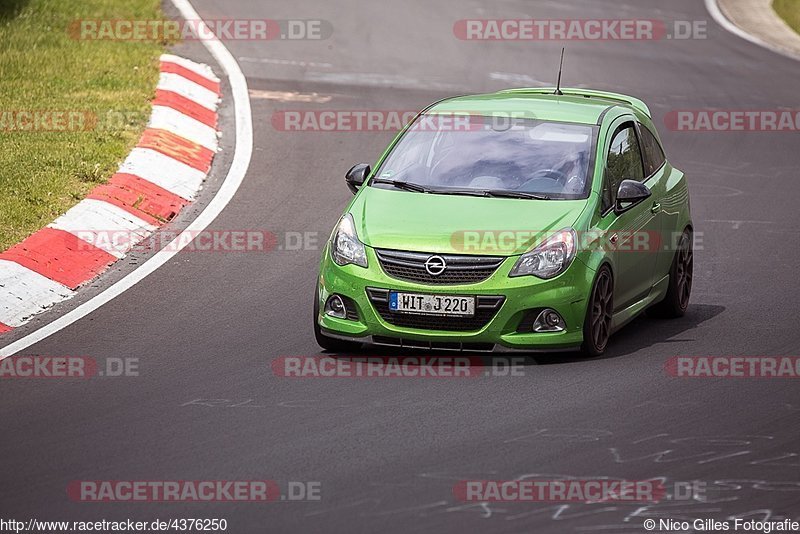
x=567 y=294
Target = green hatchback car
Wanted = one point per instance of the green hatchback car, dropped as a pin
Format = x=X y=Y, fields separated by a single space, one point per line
x=527 y=219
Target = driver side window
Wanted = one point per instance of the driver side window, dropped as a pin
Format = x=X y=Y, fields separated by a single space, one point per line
x=623 y=162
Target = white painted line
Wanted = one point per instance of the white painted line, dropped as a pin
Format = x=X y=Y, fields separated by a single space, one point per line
x=236 y=174
x=513 y=77
x=713 y=9
x=198 y=68
x=188 y=89
x=101 y=224
x=164 y=171
x=375 y=79
x=183 y=125
x=24 y=293
x=292 y=62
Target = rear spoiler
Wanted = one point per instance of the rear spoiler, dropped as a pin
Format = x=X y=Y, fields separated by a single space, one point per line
x=588 y=93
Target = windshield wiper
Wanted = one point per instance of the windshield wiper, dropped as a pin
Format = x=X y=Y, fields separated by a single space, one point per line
x=468 y=192
x=410 y=186
x=417 y=188
x=514 y=194
x=407 y=186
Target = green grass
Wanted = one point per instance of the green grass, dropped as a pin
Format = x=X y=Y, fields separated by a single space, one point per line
x=43 y=174
x=789 y=10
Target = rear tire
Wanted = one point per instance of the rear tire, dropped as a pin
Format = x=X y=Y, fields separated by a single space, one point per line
x=331 y=344
x=597 y=325
x=680 y=281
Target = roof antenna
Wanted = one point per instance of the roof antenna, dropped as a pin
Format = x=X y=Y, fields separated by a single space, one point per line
x=560 y=65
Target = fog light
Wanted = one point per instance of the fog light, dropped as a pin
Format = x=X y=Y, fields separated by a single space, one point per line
x=549 y=321
x=551 y=318
x=334 y=307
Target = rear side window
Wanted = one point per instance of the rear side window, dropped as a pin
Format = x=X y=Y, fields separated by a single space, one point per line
x=653 y=154
x=624 y=162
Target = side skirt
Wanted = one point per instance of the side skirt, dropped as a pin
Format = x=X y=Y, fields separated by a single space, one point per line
x=656 y=294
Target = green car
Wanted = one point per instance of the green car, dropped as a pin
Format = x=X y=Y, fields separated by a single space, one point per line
x=527 y=219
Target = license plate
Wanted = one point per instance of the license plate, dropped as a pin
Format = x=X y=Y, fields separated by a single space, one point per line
x=432 y=304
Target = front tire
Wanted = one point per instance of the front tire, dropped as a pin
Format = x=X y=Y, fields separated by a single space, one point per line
x=680 y=281
x=597 y=325
x=330 y=343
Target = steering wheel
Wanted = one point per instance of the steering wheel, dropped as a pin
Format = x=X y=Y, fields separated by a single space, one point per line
x=553 y=174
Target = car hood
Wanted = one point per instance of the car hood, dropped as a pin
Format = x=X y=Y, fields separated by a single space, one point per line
x=457 y=224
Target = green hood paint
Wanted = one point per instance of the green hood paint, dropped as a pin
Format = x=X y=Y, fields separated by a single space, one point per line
x=404 y=220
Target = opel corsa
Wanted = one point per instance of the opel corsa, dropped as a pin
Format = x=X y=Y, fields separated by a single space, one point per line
x=527 y=219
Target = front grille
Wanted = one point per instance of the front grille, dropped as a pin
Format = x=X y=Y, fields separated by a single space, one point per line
x=486 y=308
x=432 y=345
x=460 y=269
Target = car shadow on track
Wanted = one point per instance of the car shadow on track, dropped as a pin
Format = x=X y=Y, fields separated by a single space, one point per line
x=641 y=333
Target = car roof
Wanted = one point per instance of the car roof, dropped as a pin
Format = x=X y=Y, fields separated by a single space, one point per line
x=583 y=106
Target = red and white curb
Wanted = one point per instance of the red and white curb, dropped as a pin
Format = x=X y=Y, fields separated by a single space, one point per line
x=160 y=176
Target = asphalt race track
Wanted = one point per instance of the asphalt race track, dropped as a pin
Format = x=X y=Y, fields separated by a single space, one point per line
x=387 y=453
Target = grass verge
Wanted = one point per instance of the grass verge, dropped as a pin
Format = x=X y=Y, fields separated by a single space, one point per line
x=788 y=10
x=48 y=166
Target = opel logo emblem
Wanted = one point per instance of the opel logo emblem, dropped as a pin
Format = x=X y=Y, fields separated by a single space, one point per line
x=435 y=265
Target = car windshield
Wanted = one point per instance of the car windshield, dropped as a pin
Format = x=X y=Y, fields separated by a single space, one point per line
x=523 y=158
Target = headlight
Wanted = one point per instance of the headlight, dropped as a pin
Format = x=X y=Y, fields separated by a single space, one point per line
x=549 y=259
x=345 y=246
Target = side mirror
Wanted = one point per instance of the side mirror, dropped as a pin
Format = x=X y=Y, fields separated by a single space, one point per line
x=629 y=194
x=356 y=175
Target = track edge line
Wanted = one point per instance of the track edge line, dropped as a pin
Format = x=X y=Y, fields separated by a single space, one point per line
x=712 y=6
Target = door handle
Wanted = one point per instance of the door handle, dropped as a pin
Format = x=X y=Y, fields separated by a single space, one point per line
x=614 y=238
x=656 y=207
